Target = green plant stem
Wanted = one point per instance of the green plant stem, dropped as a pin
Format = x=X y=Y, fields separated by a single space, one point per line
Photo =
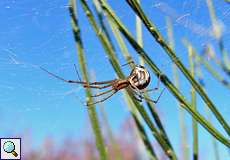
x=164 y=78
x=102 y=22
x=185 y=149
x=193 y=103
x=107 y=46
x=139 y=35
x=121 y=43
x=91 y=110
x=115 y=146
x=199 y=75
x=158 y=37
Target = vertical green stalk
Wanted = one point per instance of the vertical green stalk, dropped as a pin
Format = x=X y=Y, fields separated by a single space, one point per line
x=139 y=34
x=91 y=110
x=216 y=151
x=200 y=77
x=101 y=21
x=159 y=38
x=112 y=139
x=185 y=149
x=121 y=43
x=215 y=26
x=193 y=103
x=198 y=72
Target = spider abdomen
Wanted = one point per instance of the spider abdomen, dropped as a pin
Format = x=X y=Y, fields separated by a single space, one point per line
x=139 y=78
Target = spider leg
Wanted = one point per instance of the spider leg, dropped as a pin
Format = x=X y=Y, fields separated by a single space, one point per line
x=102 y=100
x=130 y=62
x=75 y=67
x=96 y=86
x=136 y=94
x=139 y=98
x=158 y=85
x=154 y=101
x=105 y=92
x=78 y=82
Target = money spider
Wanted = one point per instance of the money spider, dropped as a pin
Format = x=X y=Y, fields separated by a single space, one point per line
x=137 y=81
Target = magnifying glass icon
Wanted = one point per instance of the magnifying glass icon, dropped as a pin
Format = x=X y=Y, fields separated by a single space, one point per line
x=9 y=147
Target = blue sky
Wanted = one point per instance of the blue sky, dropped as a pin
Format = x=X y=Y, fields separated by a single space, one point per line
x=38 y=33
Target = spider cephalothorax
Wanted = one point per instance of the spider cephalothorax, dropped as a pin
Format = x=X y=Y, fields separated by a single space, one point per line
x=139 y=78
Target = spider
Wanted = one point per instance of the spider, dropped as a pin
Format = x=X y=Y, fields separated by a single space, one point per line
x=137 y=81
